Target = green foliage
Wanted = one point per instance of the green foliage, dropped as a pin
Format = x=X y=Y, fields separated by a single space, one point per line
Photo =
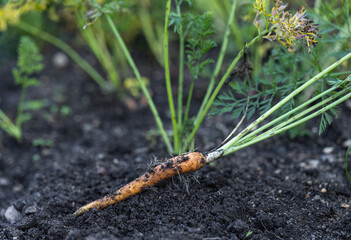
x=199 y=29
x=265 y=86
x=285 y=71
x=29 y=63
x=109 y=7
x=29 y=59
x=248 y=234
x=42 y=142
x=196 y=31
x=326 y=120
x=327 y=117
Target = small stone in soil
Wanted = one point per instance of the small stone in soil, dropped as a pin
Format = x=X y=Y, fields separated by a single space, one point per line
x=4 y=182
x=30 y=210
x=317 y=197
x=60 y=60
x=18 y=188
x=311 y=164
x=345 y=205
x=329 y=157
x=12 y=215
x=348 y=104
x=347 y=143
x=46 y=152
x=328 y=150
x=323 y=190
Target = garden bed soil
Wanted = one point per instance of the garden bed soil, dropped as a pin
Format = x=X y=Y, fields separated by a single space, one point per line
x=278 y=189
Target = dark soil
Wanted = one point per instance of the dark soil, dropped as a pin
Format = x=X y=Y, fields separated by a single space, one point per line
x=277 y=189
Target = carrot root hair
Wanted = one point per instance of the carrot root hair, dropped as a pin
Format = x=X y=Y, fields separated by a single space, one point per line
x=181 y=164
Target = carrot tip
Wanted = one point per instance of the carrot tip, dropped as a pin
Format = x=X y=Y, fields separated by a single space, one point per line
x=79 y=212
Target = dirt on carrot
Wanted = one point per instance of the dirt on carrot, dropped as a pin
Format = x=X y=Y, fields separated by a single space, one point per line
x=177 y=165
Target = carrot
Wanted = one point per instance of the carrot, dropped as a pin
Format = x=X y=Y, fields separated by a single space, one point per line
x=176 y=165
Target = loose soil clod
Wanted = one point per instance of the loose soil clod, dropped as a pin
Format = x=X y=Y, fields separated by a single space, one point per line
x=174 y=166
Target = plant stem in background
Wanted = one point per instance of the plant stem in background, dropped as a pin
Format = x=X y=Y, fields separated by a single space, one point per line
x=96 y=39
x=142 y=84
x=219 y=62
x=29 y=62
x=68 y=50
x=339 y=74
x=19 y=118
x=7 y=125
x=153 y=33
x=181 y=71
x=168 y=79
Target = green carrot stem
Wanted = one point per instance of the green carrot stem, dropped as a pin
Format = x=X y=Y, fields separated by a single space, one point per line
x=339 y=74
x=188 y=102
x=283 y=101
x=264 y=136
x=19 y=118
x=181 y=72
x=168 y=79
x=274 y=121
x=298 y=116
x=140 y=81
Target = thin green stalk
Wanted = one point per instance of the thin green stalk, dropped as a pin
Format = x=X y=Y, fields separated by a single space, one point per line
x=140 y=81
x=276 y=120
x=152 y=32
x=181 y=72
x=236 y=32
x=96 y=40
x=283 y=101
x=298 y=116
x=19 y=118
x=219 y=62
x=203 y=113
x=188 y=102
x=7 y=125
x=339 y=74
x=168 y=79
x=67 y=49
x=264 y=136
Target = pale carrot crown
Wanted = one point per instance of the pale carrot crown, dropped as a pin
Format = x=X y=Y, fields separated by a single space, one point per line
x=285 y=27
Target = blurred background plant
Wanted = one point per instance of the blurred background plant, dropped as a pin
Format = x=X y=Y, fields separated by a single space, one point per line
x=65 y=18
x=29 y=63
x=261 y=77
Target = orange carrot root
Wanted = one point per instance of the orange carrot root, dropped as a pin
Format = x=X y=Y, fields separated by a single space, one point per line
x=174 y=166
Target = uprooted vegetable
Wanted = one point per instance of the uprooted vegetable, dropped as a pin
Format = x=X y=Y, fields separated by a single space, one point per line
x=174 y=166
x=338 y=92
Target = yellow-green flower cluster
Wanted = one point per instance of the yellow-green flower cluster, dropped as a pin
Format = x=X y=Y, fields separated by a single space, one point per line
x=285 y=27
x=11 y=12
